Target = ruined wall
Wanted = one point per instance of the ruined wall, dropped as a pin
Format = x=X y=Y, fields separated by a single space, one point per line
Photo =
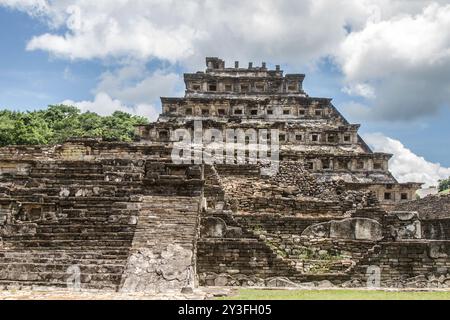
x=431 y=207
x=246 y=262
x=293 y=191
x=123 y=217
x=313 y=248
x=410 y=264
x=66 y=222
x=86 y=149
x=436 y=229
x=77 y=214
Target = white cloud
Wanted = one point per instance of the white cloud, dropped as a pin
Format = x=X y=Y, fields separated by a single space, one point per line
x=384 y=47
x=396 y=53
x=405 y=165
x=360 y=89
x=285 y=30
x=104 y=105
x=406 y=59
x=134 y=84
x=133 y=89
x=356 y=111
x=32 y=7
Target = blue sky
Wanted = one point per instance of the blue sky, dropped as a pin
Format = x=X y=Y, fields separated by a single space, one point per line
x=383 y=63
x=33 y=79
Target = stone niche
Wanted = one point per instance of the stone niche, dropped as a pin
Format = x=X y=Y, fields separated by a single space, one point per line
x=346 y=229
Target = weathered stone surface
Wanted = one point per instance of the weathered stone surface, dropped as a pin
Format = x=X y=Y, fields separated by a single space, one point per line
x=368 y=229
x=403 y=225
x=148 y=271
x=123 y=216
x=213 y=227
x=234 y=232
x=429 y=208
x=325 y=284
x=351 y=228
x=320 y=230
x=281 y=282
x=222 y=280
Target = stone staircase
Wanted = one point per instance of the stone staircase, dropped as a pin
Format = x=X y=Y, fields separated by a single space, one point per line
x=72 y=219
x=162 y=254
x=87 y=220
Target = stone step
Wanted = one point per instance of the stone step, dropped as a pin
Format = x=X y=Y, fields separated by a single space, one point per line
x=74 y=244
x=62 y=176
x=89 y=222
x=111 y=268
x=65 y=171
x=76 y=229
x=103 y=254
x=57 y=285
x=48 y=277
x=38 y=258
x=100 y=200
x=105 y=201
x=103 y=236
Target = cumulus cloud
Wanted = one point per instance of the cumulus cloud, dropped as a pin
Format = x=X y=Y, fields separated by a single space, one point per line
x=134 y=84
x=104 y=105
x=32 y=7
x=405 y=59
x=131 y=88
x=394 y=53
x=360 y=89
x=285 y=30
x=405 y=165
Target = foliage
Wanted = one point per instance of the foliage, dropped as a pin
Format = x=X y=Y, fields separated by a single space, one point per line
x=59 y=122
x=444 y=184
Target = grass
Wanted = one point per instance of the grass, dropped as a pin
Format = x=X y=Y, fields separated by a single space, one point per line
x=252 y=294
x=445 y=191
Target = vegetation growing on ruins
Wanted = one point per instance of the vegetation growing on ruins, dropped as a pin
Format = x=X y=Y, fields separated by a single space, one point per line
x=60 y=122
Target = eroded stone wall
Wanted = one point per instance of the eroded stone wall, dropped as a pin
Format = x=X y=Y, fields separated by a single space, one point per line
x=78 y=216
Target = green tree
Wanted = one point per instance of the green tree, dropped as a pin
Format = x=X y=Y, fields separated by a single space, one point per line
x=31 y=129
x=444 y=184
x=57 y=123
x=7 y=128
x=120 y=126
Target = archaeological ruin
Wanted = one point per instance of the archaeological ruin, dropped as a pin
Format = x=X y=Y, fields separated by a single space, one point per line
x=90 y=214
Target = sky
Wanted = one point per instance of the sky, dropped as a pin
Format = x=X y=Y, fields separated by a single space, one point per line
x=385 y=63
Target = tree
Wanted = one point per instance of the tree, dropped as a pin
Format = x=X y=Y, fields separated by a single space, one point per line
x=444 y=184
x=7 y=128
x=57 y=123
x=31 y=130
x=120 y=126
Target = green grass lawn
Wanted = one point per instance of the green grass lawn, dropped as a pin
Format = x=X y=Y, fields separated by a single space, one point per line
x=445 y=191
x=252 y=294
